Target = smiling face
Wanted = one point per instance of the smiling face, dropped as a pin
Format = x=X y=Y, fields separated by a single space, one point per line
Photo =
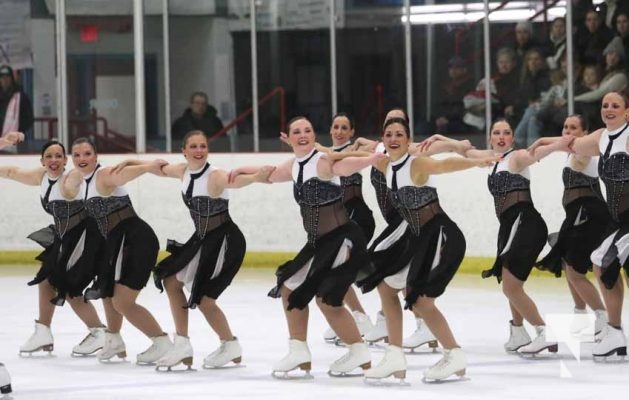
x=195 y=150
x=501 y=136
x=301 y=136
x=396 y=140
x=84 y=158
x=341 y=130
x=613 y=110
x=573 y=125
x=54 y=160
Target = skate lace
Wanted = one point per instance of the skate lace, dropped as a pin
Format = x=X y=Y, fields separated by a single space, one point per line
x=89 y=337
x=344 y=359
x=444 y=362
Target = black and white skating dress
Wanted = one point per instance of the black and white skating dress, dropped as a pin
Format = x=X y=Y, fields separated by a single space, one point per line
x=613 y=168
x=71 y=244
x=522 y=233
x=353 y=201
x=422 y=254
x=336 y=249
x=587 y=220
x=210 y=259
x=131 y=245
x=383 y=197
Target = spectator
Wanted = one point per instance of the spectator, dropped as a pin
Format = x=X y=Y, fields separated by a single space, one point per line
x=622 y=29
x=503 y=88
x=450 y=110
x=200 y=116
x=592 y=38
x=610 y=9
x=524 y=39
x=614 y=80
x=530 y=127
x=556 y=44
x=534 y=80
x=552 y=116
x=16 y=110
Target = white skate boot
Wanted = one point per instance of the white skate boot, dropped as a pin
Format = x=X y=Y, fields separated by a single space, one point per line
x=363 y=322
x=580 y=321
x=614 y=342
x=229 y=351
x=539 y=344
x=161 y=345
x=298 y=357
x=94 y=341
x=453 y=362
x=114 y=346
x=600 y=322
x=379 y=331
x=40 y=340
x=180 y=353
x=329 y=335
x=420 y=337
x=518 y=337
x=357 y=356
x=393 y=363
x=5 y=381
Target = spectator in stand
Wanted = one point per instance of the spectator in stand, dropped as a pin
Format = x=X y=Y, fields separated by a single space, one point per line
x=530 y=127
x=622 y=30
x=552 y=116
x=200 y=116
x=524 y=39
x=614 y=80
x=534 y=80
x=555 y=46
x=592 y=38
x=503 y=88
x=16 y=110
x=450 y=109
x=610 y=9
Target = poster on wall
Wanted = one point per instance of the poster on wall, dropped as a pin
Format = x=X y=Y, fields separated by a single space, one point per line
x=286 y=14
x=15 y=34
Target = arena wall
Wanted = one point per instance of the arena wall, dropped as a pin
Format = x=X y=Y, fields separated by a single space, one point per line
x=267 y=214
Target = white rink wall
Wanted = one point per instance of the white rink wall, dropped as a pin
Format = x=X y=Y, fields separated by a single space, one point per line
x=267 y=214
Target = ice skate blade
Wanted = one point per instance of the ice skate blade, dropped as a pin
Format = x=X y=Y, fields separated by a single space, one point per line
x=398 y=379
x=384 y=382
x=333 y=340
x=552 y=352
x=167 y=369
x=375 y=341
x=117 y=358
x=45 y=348
x=235 y=363
x=432 y=344
x=458 y=376
x=285 y=376
x=351 y=374
x=83 y=355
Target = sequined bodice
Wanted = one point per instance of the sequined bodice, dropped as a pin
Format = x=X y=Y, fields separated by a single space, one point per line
x=614 y=172
x=352 y=180
x=379 y=182
x=63 y=209
x=205 y=206
x=574 y=179
x=101 y=207
x=316 y=192
x=502 y=183
x=409 y=202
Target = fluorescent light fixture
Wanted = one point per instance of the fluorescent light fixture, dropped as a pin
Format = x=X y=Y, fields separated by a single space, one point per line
x=471 y=12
